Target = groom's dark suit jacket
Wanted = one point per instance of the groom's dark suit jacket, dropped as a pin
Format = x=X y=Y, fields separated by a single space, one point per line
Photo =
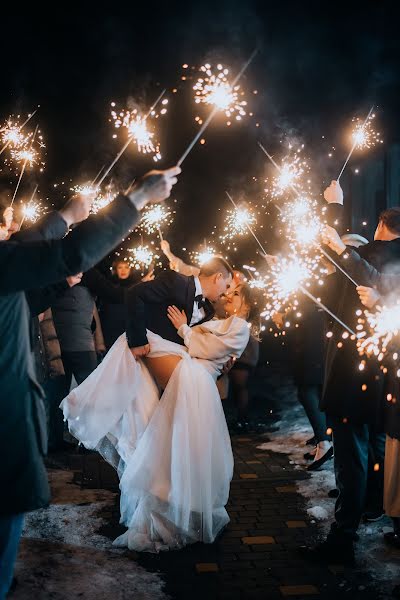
x=147 y=305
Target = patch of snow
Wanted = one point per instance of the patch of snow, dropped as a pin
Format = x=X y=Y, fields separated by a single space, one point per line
x=318 y=512
x=64 y=539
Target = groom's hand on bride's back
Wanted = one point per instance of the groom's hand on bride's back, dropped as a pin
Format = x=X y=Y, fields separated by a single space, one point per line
x=140 y=351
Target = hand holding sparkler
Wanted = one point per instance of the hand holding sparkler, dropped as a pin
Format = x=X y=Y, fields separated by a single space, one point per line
x=8 y=215
x=149 y=275
x=155 y=186
x=73 y=280
x=270 y=259
x=334 y=193
x=77 y=209
x=331 y=238
x=368 y=296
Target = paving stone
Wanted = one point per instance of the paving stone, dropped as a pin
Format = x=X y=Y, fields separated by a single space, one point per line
x=296 y=524
x=258 y=539
x=286 y=489
x=207 y=568
x=298 y=590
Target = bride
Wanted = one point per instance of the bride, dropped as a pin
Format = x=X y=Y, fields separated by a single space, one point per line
x=173 y=454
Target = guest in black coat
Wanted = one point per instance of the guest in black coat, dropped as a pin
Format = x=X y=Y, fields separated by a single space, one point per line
x=391 y=417
x=26 y=266
x=73 y=318
x=352 y=396
x=113 y=313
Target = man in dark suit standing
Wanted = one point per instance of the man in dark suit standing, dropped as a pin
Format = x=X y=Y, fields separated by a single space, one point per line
x=147 y=303
x=26 y=266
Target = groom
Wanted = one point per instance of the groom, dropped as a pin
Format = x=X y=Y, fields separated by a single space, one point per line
x=147 y=303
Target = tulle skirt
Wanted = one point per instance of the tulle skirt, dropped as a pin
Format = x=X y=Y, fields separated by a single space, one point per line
x=173 y=454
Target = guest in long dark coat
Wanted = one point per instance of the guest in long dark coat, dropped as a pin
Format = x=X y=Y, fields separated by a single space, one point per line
x=352 y=397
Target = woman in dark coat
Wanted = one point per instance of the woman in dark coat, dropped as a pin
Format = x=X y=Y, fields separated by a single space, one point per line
x=112 y=314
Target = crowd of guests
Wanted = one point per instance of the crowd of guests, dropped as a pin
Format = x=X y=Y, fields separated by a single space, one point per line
x=59 y=315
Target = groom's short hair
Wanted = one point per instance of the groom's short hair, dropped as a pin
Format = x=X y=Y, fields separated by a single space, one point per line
x=216 y=265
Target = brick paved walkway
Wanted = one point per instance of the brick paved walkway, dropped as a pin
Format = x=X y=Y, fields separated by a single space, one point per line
x=257 y=556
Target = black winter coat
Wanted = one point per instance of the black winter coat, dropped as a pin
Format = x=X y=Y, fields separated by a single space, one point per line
x=25 y=266
x=348 y=391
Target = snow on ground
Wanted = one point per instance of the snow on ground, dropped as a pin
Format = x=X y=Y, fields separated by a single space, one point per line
x=63 y=555
x=373 y=555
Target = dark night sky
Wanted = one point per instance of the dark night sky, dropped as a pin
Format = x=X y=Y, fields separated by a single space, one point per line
x=318 y=66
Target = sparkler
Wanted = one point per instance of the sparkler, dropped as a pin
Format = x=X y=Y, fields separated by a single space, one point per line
x=137 y=132
x=214 y=89
x=86 y=189
x=258 y=284
x=238 y=221
x=142 y=256
x=31 y=211
x=287 y=278
x=102 y=200
x=153 y=217
x=289 y=175
x=303 y=224
x=326 y=309
x=12 y=136
x=205 y=255
x=284 y=281
x=27 y=156
x=221 y=98
x=301 y=207
x=384 y=326
x=360 y=135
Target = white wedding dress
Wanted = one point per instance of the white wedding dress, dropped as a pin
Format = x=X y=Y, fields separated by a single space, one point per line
x=173 y=454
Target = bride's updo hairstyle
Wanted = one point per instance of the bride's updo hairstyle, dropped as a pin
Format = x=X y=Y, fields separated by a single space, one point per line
x=216 y=265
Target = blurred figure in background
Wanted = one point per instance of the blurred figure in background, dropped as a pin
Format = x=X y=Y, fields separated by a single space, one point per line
x=112 y=314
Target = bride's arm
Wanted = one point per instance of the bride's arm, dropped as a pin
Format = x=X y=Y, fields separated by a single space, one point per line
x=228 y=338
